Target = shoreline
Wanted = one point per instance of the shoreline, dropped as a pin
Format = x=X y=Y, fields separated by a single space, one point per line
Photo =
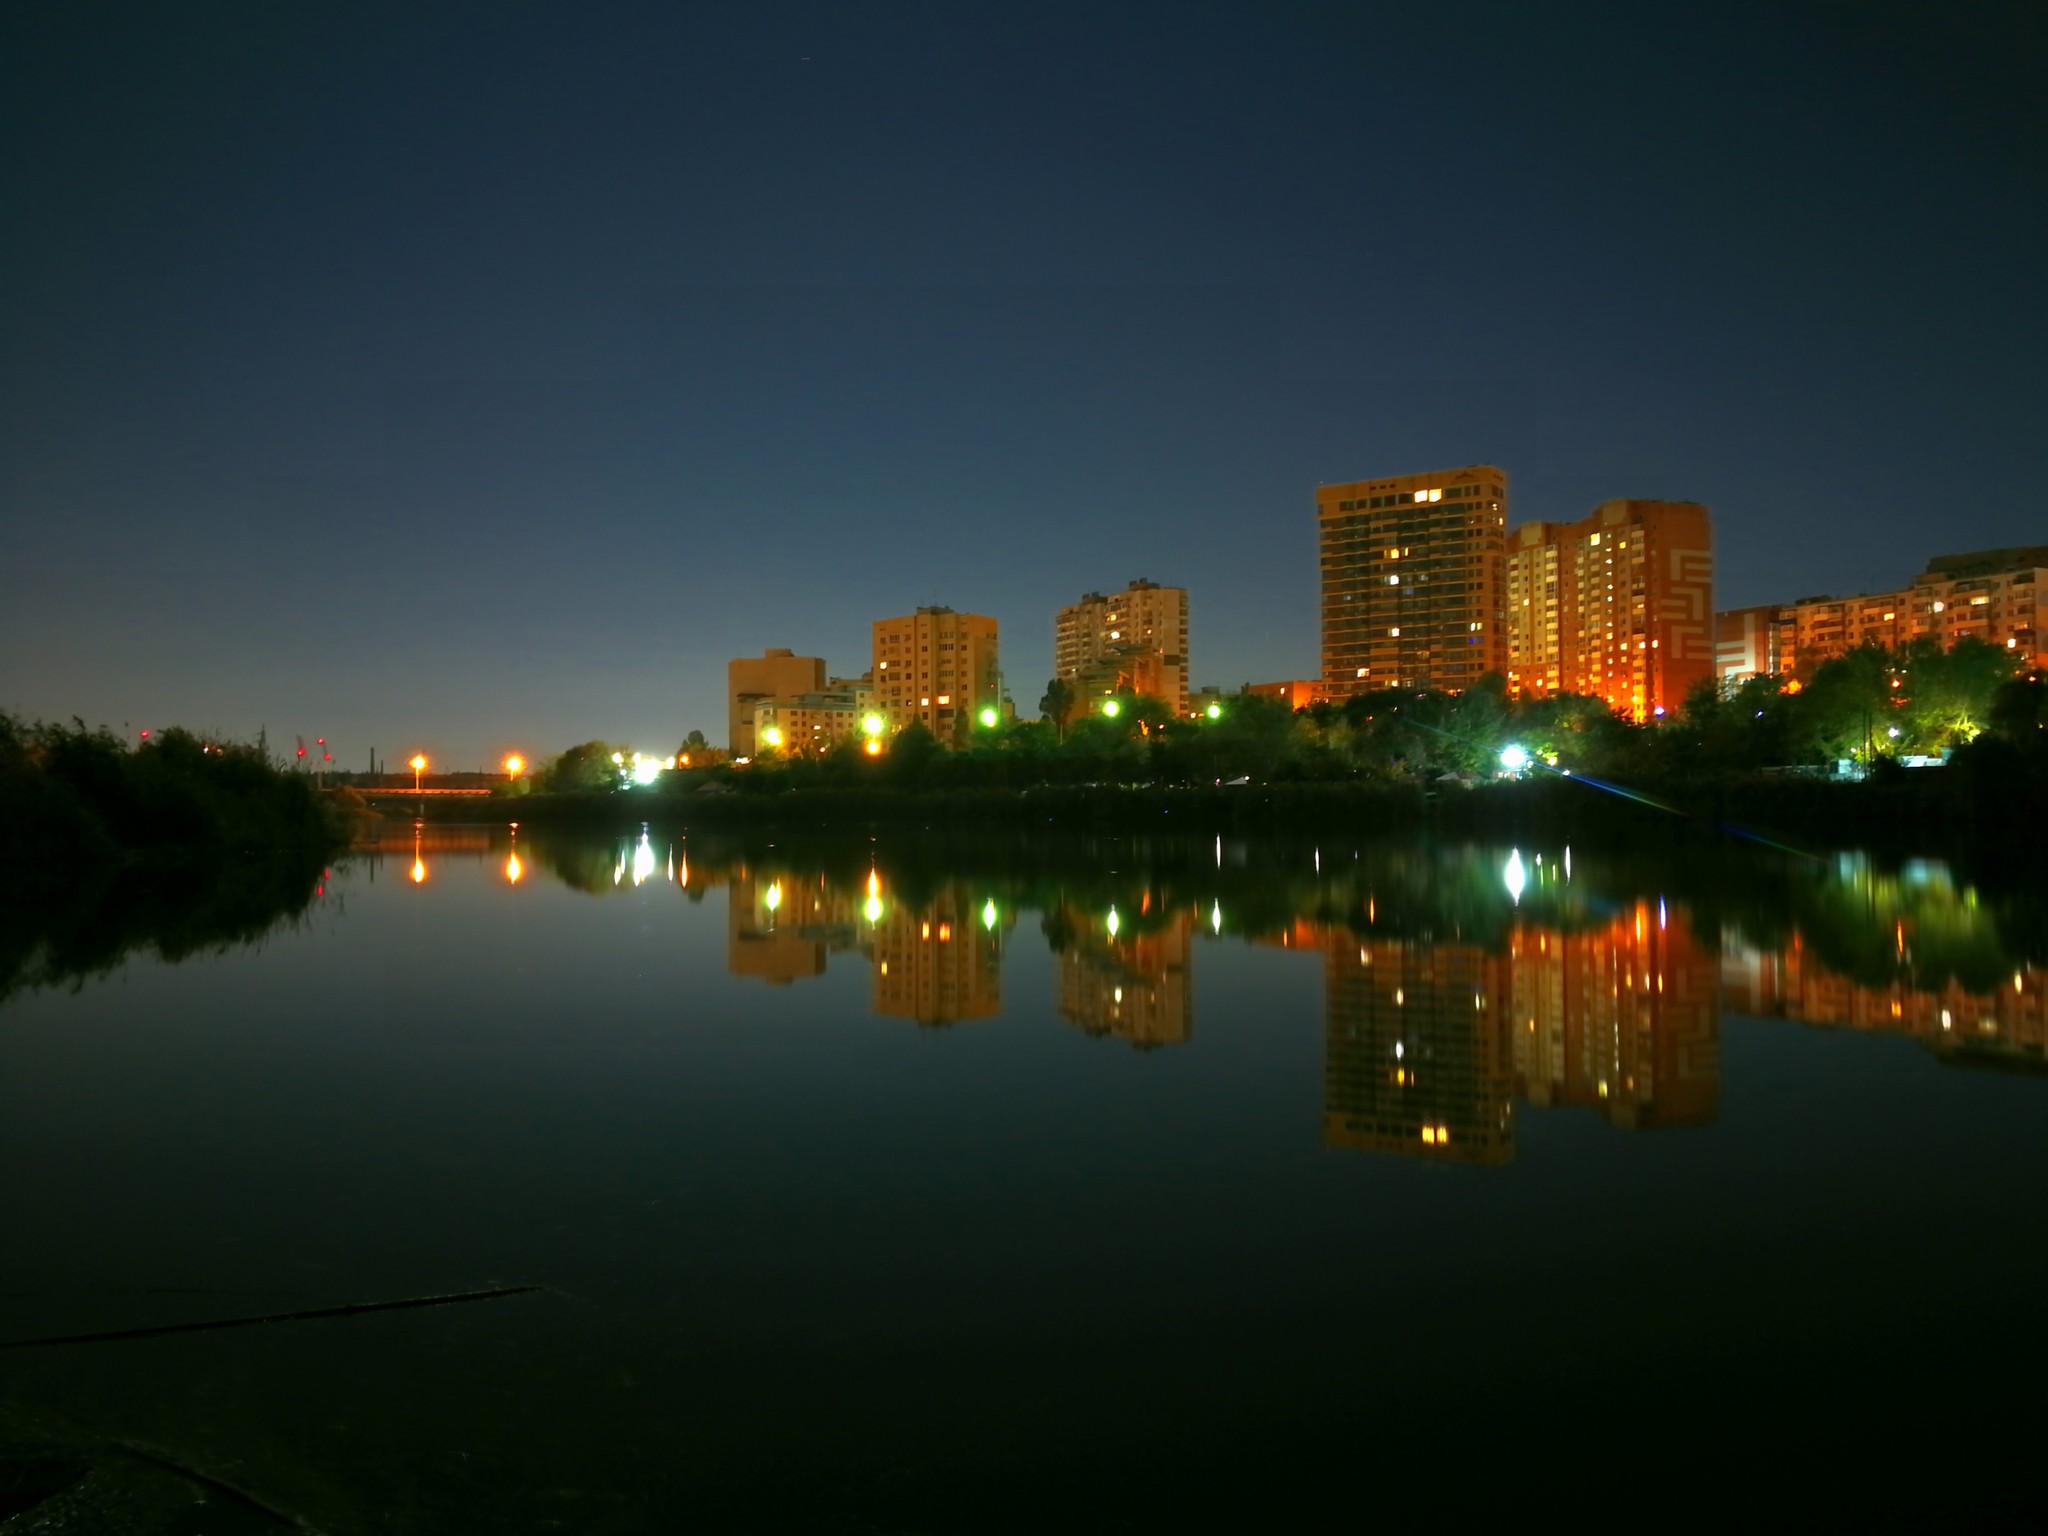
x=1932 y=812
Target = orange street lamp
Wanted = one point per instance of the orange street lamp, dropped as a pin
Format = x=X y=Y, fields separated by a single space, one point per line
x=515 y=765
x=419 y=766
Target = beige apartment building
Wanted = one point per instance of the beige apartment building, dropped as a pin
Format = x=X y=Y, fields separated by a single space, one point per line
x=937 y=667
x=1414 y=580
x=1618 y=606
x=805 y=724
x=1992 y=595
x=775 y=674
x=1135 y=638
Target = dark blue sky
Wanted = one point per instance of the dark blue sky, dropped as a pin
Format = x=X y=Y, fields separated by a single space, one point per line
x=467 y=378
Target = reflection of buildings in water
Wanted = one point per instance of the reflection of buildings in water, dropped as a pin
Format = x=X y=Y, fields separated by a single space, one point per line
x=1622 y=1020
x=1134 y=985
x=780 y=925
x=1414 y=1061
x=1426 y=1045
x=2007 y=1026
x=939 y=963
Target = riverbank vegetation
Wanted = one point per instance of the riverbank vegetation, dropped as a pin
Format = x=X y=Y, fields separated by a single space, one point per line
x=1767 y=757
x=178 y=846
x=69 y=795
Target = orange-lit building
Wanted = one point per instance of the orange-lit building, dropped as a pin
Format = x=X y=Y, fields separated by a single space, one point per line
x=775 y=674
x=1414 y=572
x=1296 y=693
x=1752 y=642
x=808 y=723
x=1135 y=638
x=937 y=667
x=1619 y=606
x=1992 y=595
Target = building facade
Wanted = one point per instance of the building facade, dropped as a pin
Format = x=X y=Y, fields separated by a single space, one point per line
x=807 y=724
x=1414 y=571
x=939 y=668
x=1991 y=595
x=775 y=674
x=1295 y=693
x=1618 y=606
x=1139 y=632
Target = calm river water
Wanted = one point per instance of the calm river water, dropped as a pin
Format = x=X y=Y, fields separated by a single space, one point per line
x=988 y=1185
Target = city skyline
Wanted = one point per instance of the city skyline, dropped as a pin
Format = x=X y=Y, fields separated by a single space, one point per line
x=488 y=382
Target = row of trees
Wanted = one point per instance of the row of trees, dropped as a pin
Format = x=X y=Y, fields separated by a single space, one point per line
x=1873 y=704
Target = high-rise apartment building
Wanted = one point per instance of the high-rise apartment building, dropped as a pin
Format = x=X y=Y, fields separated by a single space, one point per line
x=1414 y=574
x=1992 y=595
x=937 y=667
x=1618 y=605
x=1137 y=637
x=776 y=674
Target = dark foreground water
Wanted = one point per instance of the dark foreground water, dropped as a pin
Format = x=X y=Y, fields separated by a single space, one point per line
x=965 y=1187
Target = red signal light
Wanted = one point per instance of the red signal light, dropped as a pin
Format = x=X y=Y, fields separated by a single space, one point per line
x=145 y=735
x=321 y=740
x=326 y=757
x=302 y=751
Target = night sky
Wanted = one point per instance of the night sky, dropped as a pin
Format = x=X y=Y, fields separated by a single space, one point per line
x=462 y=379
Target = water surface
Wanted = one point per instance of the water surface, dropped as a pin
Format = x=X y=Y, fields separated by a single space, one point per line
x=972 y=1185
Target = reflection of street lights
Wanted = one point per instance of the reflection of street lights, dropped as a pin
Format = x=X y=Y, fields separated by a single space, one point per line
x=419 y=766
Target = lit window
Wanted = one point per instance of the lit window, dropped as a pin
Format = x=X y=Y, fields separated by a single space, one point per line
x=1939 y=606
x=1396 y=633
x=945 y=698
x=1595 y=538
x=1393 y=581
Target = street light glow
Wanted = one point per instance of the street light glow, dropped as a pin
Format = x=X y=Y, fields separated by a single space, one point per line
x=773 y=735
x=1111 y=708
x=515 y=765
x=872 y=724
x=1215 y=711
x=1514 y=758
x=988 y=717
